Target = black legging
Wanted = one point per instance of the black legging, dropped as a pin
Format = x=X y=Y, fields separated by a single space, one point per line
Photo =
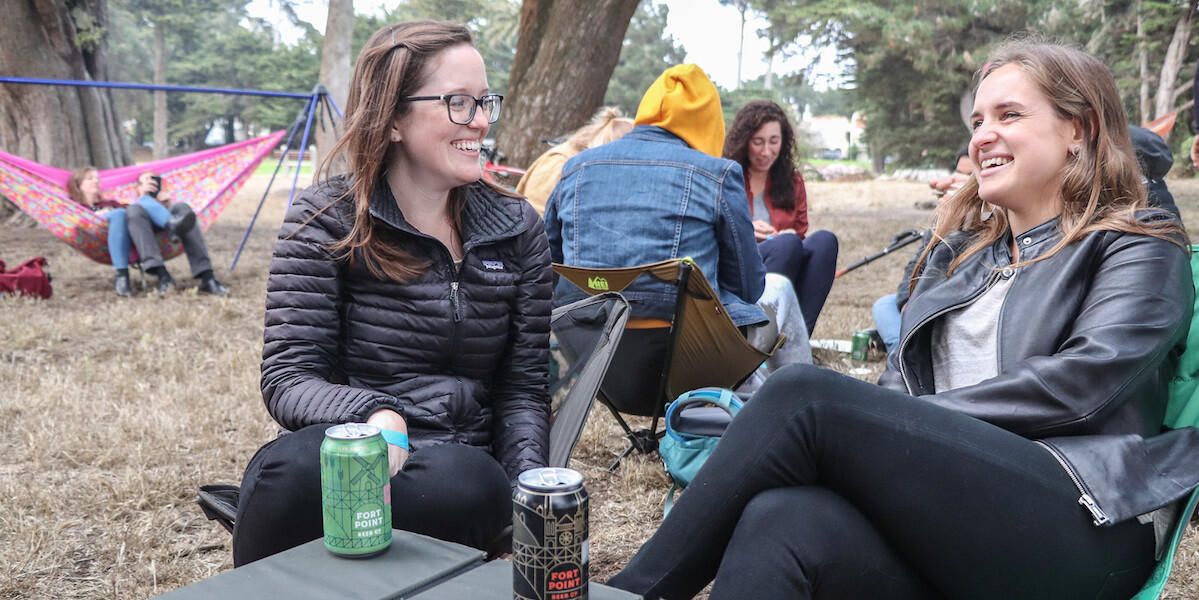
x=810 y=263
x=829 y=487
x=452 y=492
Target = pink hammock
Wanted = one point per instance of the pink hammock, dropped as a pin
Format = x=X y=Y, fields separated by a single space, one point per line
x=207 y=180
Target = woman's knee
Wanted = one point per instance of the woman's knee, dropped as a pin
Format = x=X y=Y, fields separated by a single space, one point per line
x=285 y=467
x=116 y=218
x=822 y=241
x=798 y=380
x=476 y=482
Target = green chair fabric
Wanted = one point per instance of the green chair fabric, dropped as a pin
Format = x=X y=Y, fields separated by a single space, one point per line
x=1182 y=410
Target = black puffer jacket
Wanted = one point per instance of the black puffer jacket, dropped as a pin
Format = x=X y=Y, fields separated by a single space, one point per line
x=462 y=356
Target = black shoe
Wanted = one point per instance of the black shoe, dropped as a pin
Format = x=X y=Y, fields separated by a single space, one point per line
x=165 y=282
x=213 y=287
x=182 y=220
x=123 y=288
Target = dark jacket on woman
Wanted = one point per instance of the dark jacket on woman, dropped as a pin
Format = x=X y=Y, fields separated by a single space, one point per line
x=1088 y=341
x=462 y=355
x=782 y=218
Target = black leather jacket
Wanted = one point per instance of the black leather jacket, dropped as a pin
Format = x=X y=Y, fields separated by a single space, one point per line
x=1088 y=342
x=462 y=354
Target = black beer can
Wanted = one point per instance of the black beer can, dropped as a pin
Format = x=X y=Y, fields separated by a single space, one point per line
x=550 y=544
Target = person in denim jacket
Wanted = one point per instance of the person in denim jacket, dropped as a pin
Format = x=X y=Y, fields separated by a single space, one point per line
x=661 y=192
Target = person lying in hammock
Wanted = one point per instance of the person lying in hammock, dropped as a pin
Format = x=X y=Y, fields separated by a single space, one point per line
x=83 y=187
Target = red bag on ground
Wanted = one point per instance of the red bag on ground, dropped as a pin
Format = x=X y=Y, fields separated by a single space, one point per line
x=28 y=278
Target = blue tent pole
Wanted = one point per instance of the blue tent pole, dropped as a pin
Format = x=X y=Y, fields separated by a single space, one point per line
x=145 y=86
x=334 y=104
x=295 y=126
x=303 y=144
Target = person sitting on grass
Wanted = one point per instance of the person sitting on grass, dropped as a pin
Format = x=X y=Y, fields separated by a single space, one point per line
x=1018 y=450
x=144 y=221
x=411 y=295
x=762 y=141
x=83 y=187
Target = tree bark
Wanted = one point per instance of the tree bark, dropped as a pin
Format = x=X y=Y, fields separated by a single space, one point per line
x=160 y=96
x=1172 y=64
x=557 y=81
x=741 y=7
x=60 y=126
x=335 y=75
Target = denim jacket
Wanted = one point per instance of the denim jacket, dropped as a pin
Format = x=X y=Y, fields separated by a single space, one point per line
x=649 y=197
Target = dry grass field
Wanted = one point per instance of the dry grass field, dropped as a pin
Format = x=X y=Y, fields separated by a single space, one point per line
x=113 y=411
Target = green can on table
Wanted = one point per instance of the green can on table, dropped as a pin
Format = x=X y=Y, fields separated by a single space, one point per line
x=355 y=491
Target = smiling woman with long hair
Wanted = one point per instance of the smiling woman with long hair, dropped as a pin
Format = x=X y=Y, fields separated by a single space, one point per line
x=1018 y=450
x=762 y=141
x=410 y=295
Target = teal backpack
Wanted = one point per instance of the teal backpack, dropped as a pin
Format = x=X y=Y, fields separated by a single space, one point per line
x=694 y=423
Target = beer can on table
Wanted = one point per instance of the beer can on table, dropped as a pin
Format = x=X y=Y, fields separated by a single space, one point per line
x=550 y=544
x=355 y=491
x=861 y=346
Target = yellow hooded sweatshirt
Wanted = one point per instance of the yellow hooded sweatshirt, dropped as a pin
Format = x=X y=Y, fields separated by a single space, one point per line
x=686 y=103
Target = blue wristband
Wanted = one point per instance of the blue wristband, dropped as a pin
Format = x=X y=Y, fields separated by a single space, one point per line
x=395 y=438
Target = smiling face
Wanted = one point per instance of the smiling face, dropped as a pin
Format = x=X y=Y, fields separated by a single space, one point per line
x=764 y=146
x=1020 y=146
x=429 y=150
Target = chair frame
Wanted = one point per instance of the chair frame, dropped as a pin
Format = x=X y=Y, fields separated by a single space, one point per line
x=686 y=286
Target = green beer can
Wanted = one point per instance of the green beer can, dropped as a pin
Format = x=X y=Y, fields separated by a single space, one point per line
x=355 y=491
x=861 y=346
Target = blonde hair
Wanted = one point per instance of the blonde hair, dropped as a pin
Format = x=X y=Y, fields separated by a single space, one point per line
x=1101 y=188
x=608 y=125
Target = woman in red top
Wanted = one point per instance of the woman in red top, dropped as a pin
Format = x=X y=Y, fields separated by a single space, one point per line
x=762 y=140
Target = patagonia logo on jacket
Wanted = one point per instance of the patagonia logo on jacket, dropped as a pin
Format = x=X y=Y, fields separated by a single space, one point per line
x=493 y=265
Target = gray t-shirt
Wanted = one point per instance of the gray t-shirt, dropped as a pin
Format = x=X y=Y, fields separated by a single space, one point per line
x=965 y=343
x=761 y=213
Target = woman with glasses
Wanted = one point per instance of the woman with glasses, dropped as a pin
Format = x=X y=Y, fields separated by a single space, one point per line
x=411 y=295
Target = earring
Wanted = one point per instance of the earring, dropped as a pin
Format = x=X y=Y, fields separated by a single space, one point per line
x=984 y=210
x=1075 y=150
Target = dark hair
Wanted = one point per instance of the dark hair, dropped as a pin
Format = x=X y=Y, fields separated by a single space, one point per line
x=393 y=63
x=749 y=119
x=964 y=152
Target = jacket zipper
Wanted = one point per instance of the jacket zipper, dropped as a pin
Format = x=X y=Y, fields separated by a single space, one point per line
x=1085 y=499
x=903 y=373
x=454 y=299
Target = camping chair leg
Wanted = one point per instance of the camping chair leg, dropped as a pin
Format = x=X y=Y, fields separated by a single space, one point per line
x=643 y=441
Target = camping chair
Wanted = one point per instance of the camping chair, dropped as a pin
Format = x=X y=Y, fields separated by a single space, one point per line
x=701 y=346
x=594 y=325
x=1182 y=410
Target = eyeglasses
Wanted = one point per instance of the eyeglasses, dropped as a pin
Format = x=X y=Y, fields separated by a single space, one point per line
x=461 y=107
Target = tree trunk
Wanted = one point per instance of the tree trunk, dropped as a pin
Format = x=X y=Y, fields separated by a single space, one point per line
x=741 y=7
x=160 y=97
x=1143 y=64
x=1175 y=55
x=557 y=82
x=335 y=75
x=60 y=126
